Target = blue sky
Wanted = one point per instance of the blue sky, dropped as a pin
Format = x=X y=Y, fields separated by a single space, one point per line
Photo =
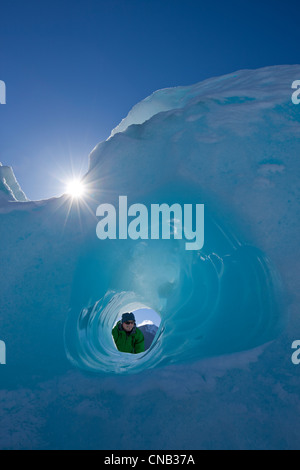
x=73 y=69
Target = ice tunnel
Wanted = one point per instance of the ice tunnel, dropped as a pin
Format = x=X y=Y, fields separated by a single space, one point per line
x=221 y=299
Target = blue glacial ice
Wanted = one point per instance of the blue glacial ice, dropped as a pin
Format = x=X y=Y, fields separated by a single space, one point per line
x=219 y=372
x=220 y=299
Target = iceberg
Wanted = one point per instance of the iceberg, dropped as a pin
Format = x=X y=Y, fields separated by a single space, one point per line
x=219 y=372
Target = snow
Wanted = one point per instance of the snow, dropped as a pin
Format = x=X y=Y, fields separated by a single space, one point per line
x=219 y=373
x=146 y=322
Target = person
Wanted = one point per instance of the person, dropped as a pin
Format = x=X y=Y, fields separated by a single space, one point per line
x=127 y=336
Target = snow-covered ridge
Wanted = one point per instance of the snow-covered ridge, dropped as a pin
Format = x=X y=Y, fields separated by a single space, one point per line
x=10 y=189
x=149 y=326
x=146 y=322
x=149 y=330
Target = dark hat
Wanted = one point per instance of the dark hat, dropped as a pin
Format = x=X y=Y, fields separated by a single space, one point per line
x=128 y=317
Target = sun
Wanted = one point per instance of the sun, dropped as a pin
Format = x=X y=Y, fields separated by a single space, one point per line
x=75 y=189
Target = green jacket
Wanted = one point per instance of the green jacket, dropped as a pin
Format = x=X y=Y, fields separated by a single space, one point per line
x=132 y=342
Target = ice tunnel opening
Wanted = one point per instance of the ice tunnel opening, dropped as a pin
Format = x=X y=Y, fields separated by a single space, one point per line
x=91 y=345
x=146 y=321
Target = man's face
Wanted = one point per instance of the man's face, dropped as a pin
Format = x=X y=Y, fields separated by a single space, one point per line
x=128 y=325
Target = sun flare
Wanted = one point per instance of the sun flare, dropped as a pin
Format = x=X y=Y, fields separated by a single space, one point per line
x=75 y=189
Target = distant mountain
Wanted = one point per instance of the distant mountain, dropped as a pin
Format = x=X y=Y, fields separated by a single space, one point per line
x=149 y=331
